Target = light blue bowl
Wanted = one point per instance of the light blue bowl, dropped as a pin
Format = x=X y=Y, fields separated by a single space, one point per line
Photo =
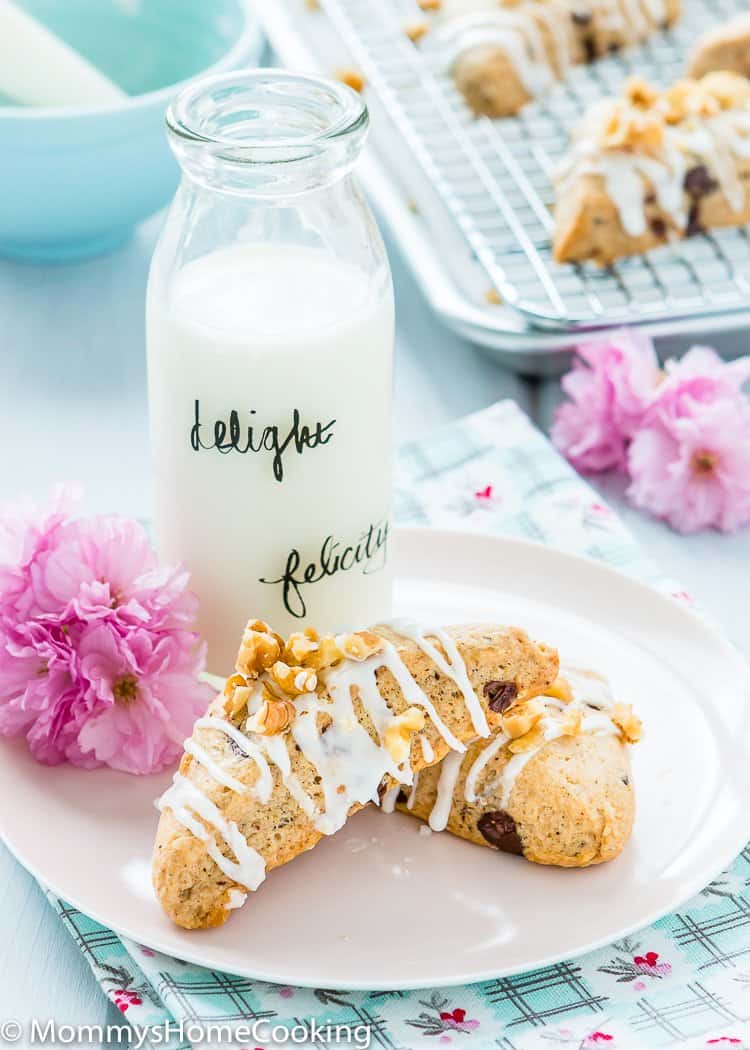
x=75 y=181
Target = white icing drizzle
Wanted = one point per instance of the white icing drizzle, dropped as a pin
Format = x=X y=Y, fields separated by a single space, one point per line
x=474 y=25
x=449 y=770
x=389 y=799
x=453 y=667
x=413 y=793
x=485 y=755
x=715 y=142
x=264 y=785
x=185 y=799
x=220 y=775
x=591 y=695
x=275 y=747
x=350 y=765
x=428 y=752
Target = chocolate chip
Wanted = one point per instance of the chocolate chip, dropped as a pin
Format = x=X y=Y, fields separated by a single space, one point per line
x=403 y=798
x=382 y=788
x=693 y=224
x=581 y=18
x=698 y=181
x=614 y=48
x=589 y=48
x=499 y=829
x=625 y=779
x=650 y=198
x=658 y=228
x=500 y=695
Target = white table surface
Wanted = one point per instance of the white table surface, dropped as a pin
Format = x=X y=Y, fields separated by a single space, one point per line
x=73 y=406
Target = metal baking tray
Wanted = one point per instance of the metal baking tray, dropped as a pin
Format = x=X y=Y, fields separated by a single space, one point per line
x=469 y=199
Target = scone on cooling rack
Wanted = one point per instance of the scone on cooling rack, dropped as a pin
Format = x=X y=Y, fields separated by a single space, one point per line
x=553 y=783
x=311 y=729
x=726 y=47
x=506 y=53
x=654 y=166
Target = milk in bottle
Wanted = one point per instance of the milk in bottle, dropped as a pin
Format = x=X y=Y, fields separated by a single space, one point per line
x=270 y=338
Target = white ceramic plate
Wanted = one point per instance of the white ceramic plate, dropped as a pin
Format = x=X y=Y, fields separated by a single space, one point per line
x=379 y=906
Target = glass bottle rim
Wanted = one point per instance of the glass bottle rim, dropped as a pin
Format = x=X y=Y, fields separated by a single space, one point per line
x=335 y=109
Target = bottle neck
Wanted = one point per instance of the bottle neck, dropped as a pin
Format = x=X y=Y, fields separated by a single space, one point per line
x=267 y=133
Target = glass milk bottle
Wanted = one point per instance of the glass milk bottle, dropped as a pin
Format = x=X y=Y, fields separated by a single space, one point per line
x=270 y=342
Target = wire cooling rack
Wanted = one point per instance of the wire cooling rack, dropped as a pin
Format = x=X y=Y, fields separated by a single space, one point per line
x=494 y=176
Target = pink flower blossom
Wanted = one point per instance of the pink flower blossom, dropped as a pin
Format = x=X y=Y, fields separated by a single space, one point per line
x=98 y=665
x=612 y=381
x=690 y=462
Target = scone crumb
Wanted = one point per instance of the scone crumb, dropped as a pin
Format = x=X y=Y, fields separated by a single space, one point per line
x=492 y=297
x=627 y=722
x=430 y=5
x=352 y=78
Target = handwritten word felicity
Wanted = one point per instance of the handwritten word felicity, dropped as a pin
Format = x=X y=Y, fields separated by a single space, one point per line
x=369 y=554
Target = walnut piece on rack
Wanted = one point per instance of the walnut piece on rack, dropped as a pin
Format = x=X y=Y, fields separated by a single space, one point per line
x=352 y=78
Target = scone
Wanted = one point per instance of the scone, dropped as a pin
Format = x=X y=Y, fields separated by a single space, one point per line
x=655 y=166
x=310 y=730
x=504 y=53
x=553 y=784
x=725 y=47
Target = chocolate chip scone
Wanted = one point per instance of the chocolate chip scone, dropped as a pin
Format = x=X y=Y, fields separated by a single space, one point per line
x=504 y=53
x=727 y=47
x=655 y=166
x=311 y=729
x=553 y=784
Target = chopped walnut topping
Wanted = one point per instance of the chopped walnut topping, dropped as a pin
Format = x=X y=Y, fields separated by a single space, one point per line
x=274 y=716
x=300 y=645
x=326 y=655
x=236 y=694
x=399 y=732
x=259 y=650
x=560 y=690
x=640 y=93
x=416 y=30
x=236 y=700
x=629 y=128
x=519 y=720
x=359 y=646
x=534 y=738
x=627 y=722
x=351 y=78
x=293 y=680
x=687 y=98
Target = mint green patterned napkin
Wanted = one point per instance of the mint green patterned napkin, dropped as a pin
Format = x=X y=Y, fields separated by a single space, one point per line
x=683 y=982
